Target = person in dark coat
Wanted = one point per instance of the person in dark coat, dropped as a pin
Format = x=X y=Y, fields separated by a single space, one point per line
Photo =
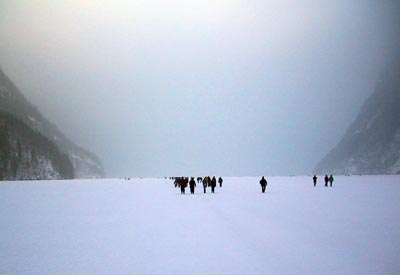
x=192 y=185
x=176 y=182
x=183 y=184
x=220 y=180
x=326 y=180
x=205 y=183
x=263 y=183
x=315 y=180
x=213 y=184
x=208 y=181
x=330 y=180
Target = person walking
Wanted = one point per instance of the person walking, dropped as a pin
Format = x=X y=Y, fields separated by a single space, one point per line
x=220 y=180
x=205 y=183
x=192 y=185
x=213 y=184
x=208 y=181
x=326 y=180
x=330 y=180
x=315 y=180
x=263 y=183
x=183 y=184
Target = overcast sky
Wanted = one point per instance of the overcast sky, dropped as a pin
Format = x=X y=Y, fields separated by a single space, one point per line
x=160 y=88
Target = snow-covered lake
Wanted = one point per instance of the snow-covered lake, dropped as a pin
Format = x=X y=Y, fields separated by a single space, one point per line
x=145 y=226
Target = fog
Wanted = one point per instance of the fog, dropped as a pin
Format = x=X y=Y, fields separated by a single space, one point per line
x=160 y=88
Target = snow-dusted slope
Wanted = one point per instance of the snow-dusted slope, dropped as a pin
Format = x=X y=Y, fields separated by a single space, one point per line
x=12 y=101
x=372 y=143
x=147 y=227
x=26 y=154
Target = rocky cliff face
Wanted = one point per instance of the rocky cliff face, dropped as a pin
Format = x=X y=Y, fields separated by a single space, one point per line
x=372 y=143
x=27 y=155
x=85 y=164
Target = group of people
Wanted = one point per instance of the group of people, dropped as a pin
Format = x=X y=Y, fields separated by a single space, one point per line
x=183 y=182
x=326 y=179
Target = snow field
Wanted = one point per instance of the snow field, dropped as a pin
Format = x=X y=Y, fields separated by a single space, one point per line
x=145 y=226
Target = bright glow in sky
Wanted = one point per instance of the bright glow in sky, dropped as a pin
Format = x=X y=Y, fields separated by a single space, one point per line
x=193 y=87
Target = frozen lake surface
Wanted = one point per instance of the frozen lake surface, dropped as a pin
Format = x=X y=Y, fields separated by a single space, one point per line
x=145 y=226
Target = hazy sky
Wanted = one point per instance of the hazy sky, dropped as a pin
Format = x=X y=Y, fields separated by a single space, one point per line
x=186 y=87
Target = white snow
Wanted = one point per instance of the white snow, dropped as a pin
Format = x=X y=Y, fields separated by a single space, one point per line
x=32 y=119
x=367 y=123
x=3 y=91
x=145 y=226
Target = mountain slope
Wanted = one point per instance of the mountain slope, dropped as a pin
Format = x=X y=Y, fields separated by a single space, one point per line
x=26 y=154
x=371 y=145
x=85 y=164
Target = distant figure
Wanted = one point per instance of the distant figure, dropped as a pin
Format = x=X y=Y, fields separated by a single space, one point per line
x=183 y=183
x=330 y=180
x=192 y=185
x=208 y=181
x=326 y=180
x=263 y=183
x=205 y=183
x=315 y=180
x=220 y=180
x=213 y=184
x=176 y=182
x=199 y=179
